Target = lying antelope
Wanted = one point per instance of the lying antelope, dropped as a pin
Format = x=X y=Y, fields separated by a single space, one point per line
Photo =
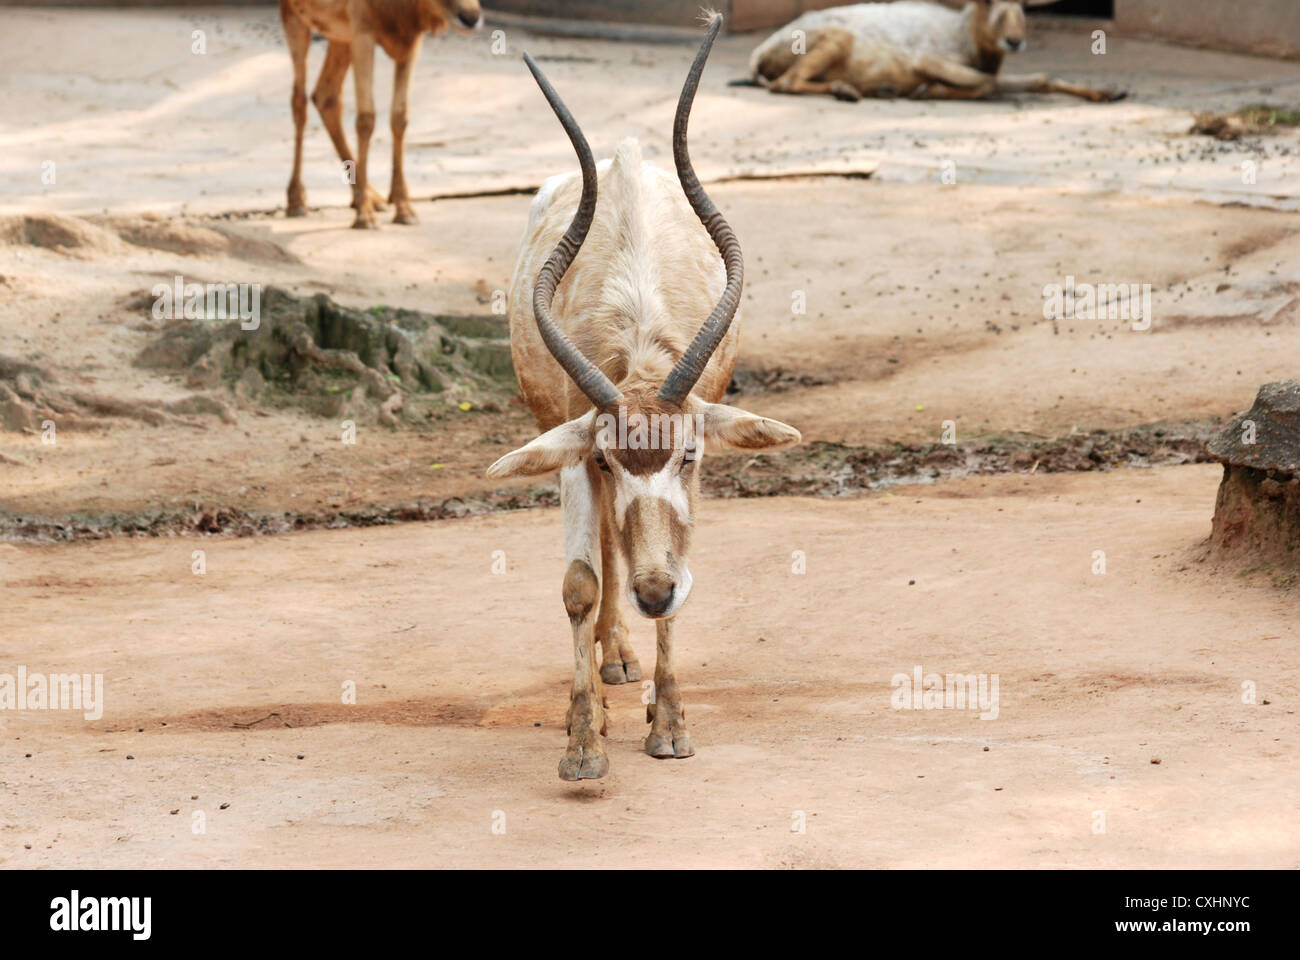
x=627 y=431
x=905 y=49
x=353 y=27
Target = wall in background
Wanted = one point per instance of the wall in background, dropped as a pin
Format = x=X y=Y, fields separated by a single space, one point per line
x=1270 y=27
x=1267 y=27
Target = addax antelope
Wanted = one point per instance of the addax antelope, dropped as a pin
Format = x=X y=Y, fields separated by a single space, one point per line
x=353 y=27
x=622 y=377
x=905 y=49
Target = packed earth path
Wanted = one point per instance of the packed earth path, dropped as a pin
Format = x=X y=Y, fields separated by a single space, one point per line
x=1147 y=707
x=1120 y=696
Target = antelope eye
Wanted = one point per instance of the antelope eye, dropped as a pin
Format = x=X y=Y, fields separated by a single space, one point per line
x=601 y=463
x=689 y=455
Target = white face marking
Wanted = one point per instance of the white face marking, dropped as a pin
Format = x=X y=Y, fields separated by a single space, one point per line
x=665 y=484
x=670 y=484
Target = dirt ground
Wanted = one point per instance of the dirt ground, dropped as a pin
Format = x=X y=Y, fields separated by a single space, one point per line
x=1121 y=694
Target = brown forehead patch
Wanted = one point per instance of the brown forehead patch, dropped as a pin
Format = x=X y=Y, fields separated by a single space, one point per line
x=653 y=431
x=642 y=462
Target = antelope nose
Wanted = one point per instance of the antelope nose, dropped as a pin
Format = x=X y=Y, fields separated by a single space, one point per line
x=654 y=592
x=1015 y=45
x=469 y=17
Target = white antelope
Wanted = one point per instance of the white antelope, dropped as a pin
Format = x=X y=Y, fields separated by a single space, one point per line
x=626 y=284
x=905 y=49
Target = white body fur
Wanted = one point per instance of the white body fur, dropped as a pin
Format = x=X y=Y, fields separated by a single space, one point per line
x=912 y=27
x=637 y=303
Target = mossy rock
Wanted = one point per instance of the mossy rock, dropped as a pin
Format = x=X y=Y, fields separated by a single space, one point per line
x=334 y=361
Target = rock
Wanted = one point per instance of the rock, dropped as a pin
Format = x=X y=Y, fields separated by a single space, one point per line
x=1257 y=510
x=30 y=395
x=1267 y=436
x=380 y=365
x=250 y=384
x=17 y=414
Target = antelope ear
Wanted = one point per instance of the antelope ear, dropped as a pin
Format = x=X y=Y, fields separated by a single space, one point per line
x=730 y=428
x=562 y=446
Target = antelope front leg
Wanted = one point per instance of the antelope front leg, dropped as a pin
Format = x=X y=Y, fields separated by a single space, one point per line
x=584 y=758
x=1042 y=83
x=399 y=197
x=298 y=36
x=618 y=663
x=328 y=97
x=945 y=80
x=828 y=52
x=665 y=713
x=363 y=69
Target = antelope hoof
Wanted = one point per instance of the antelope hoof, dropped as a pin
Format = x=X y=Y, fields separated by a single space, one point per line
x=1111 y=96
x=843 y=91
x=365 y=221
x=296 y=210
x=584 y=761
x=375 y=199
x=405 y=215
x=664 y=747
x=629 y=671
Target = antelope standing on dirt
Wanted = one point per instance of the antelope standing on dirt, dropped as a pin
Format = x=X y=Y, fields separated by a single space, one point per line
x=905 y=49
x=627 y=285
x=353 y=27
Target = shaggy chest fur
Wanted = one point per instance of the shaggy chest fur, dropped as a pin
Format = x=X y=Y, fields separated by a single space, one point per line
x=636 y=294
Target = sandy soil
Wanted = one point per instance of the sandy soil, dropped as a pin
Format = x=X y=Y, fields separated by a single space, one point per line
x=930 y=320
x=1119 y=693
x=924 y=301
x=137 y=122
x=924 y=304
